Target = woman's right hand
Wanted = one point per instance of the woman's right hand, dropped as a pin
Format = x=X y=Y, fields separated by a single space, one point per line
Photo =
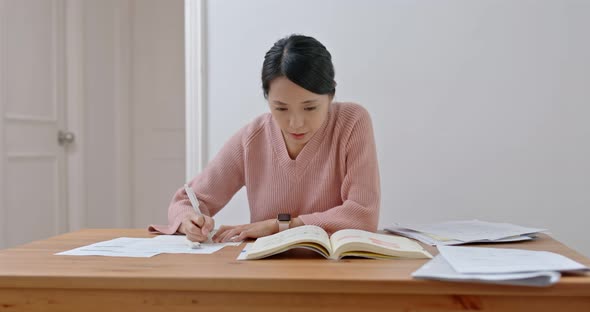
x=197 y=227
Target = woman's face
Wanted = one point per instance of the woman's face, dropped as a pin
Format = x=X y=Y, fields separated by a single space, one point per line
x=298 y=112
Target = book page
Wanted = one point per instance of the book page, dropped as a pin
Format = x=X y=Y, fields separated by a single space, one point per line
x=302 y=236
x=373 y=245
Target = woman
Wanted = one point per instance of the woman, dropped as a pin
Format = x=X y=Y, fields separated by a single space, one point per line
x=310 y=158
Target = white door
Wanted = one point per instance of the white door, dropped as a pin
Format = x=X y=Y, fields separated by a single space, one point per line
x=32 y=96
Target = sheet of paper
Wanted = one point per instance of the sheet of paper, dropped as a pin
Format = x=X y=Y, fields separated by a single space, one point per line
x=179 y=244
x=430 y=240
x=178 y=239
x=117 y=247
x=470 y=230
x=412 y=234
x=145 y=247
x=439 y=269
x=519 y=238
x=503 y=260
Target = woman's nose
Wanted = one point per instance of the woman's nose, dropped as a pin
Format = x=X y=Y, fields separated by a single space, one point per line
x=296 y=122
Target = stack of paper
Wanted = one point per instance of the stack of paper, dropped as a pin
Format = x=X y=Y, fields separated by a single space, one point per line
x=498 y=265
x=145 y=247
x=463 y=232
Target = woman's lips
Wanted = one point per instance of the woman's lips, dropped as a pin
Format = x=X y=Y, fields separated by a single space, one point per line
x=297 y=136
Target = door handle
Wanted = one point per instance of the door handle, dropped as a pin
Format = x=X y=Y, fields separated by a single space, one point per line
x=65 y=137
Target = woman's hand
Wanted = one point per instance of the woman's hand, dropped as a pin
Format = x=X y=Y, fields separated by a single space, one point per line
x=197 y=227
x=241 y=232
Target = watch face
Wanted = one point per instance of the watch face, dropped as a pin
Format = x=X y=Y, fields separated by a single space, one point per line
x=284 y=217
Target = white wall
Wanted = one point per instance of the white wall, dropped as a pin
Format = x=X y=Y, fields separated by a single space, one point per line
x=480 y=108
x=134 y=110
x=100 y=137
x=157 y=112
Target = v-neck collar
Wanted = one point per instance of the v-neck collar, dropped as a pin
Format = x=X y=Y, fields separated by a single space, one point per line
x=296 y=167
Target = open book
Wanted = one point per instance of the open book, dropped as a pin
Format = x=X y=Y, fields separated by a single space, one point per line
x=343 y=243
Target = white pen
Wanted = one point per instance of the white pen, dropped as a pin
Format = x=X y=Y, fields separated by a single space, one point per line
x=193 y=199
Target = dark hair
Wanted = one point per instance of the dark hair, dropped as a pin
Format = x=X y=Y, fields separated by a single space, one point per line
x=304 y=61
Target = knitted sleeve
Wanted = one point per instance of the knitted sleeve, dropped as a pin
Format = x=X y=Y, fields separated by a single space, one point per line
x=214 y=186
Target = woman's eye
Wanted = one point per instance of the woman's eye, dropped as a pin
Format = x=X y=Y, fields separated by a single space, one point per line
x=280 y=109
x=310 y=108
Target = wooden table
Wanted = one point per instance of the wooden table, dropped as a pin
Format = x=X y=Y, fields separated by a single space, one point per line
x=33 y=279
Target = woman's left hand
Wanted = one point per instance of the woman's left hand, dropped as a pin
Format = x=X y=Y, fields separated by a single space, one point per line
x=236 y=233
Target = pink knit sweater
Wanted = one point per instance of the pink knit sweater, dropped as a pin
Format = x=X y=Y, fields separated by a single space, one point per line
x=333 y=182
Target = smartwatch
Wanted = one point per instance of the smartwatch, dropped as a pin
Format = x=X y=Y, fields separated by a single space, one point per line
x=284 y=220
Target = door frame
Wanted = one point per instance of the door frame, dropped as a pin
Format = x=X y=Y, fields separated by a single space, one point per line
x=74 y=97
x=195 y=31
x=2 y=101
x=122 y=84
